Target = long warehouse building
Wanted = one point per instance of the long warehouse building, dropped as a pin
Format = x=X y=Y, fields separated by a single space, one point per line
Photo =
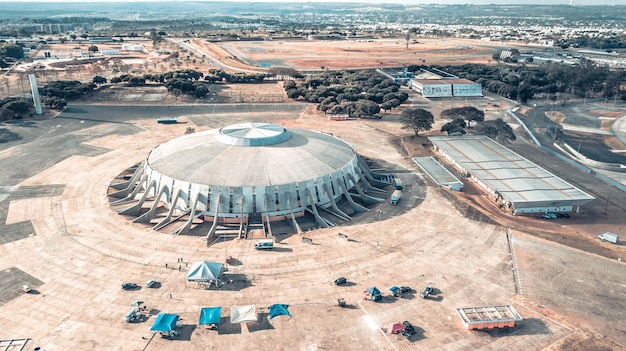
x=516 y=183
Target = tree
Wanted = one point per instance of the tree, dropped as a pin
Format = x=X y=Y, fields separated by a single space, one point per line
x=417 y=119
x=367 y=108
x=176 y=92
x=497 y=129
x=455 y=127
x=54 y=102
x=283 y=73
x=201 y=91
x=470 y=113
x=136 y=81
x=11 y=50
x=99 y=80
x=92 y=48
x=84 y=35
x=73 y=36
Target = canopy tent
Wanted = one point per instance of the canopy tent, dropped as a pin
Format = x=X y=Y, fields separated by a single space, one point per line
x=204 y=271
x=394 y=328
x=210 y=315
x=165 y=322
x=242 y=314
x=373 y=291
x=278 y=310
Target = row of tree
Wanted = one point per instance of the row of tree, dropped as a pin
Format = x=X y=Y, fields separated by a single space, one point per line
x=418 y=119
x=361 y=93
x=522 y=82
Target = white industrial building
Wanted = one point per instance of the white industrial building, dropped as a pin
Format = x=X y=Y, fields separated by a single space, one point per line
x=133 y=47
x=432 y=87
x=251 y=173
x=433 y=83
x=514 y=182
x=465 y=87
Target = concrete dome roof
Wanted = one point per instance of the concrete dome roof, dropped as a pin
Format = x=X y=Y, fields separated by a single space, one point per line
x=251 y=154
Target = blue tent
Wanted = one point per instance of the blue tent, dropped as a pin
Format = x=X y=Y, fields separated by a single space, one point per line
x=210 y=315
x=278 y=310
x=165 y=322
x=373 y=291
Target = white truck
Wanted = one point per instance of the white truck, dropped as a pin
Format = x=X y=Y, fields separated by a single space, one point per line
x=610 y=237
x=264 y=244
x=395 y=196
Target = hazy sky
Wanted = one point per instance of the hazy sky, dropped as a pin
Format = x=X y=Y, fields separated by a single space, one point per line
x=474 y=2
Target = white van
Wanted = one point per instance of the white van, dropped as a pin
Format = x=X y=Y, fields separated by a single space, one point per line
x=264 y=244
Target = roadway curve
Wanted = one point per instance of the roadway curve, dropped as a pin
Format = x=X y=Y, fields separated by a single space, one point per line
x=188 y=46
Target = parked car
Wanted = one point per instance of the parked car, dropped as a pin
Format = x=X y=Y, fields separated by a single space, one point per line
x=549 y=216
x=26 y=288
x=341 y=281
x=427 y=291
x=408 y=329
x=151 y=283
x=129 y=286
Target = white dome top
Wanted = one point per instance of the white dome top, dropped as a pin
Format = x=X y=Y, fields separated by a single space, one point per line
x=251 y=154
x=252 y=134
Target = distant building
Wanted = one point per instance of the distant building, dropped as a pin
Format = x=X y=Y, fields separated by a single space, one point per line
x=432 y=87
x=432 y=82
x=133 y=47
x=399 y=76
x=110 y=52
x=100 y=39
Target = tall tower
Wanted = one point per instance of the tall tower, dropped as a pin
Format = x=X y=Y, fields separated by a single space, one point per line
x=35 y=92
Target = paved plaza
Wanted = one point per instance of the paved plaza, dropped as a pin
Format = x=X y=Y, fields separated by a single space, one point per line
x=68 y=243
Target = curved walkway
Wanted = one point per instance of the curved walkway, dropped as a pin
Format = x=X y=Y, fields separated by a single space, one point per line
x=619 y=129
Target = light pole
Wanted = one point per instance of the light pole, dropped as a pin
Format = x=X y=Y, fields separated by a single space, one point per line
x=380 y=212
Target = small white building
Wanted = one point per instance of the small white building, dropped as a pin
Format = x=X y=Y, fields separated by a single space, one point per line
x=133 y=47
x=110 y=52
x=432 y=87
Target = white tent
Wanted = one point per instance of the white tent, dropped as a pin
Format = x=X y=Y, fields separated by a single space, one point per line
x=204 y=271
x=242 y=314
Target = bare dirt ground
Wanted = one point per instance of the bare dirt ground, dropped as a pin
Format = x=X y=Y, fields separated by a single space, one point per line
x=315 y=54
x=571 y=293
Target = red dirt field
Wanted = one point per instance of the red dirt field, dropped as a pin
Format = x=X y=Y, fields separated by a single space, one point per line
x=314 y=54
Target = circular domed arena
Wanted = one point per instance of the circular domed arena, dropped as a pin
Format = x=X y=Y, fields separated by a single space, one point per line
x=249 y=173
